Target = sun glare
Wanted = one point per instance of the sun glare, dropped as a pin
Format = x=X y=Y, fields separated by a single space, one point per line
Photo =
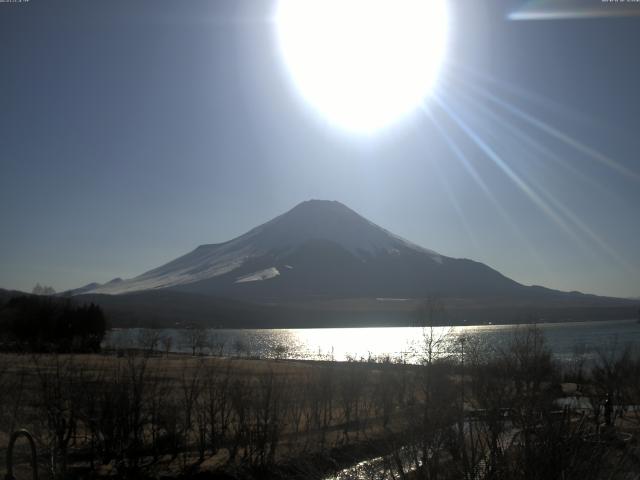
x=363 y=63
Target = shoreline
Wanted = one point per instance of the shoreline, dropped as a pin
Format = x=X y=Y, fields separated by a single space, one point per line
x=362 y=327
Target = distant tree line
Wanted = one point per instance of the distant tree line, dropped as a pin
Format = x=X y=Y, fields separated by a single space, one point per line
x=43 y=290
x=50 y=324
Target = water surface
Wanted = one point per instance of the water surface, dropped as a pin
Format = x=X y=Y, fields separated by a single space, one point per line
x=396 y=343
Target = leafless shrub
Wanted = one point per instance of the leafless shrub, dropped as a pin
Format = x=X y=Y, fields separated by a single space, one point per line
x=196 y=339
x=59 y=383
x=148 y=340
x=166 y=341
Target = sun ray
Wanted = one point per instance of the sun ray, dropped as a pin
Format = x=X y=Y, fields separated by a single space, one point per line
x=534 y=98
x=559 y=135
x=536 y=145
x=454 y=201
x=475 y=175
x=490 y=153
x=561 y=212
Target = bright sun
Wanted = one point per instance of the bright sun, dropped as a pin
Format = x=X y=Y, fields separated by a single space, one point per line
x=363 y=63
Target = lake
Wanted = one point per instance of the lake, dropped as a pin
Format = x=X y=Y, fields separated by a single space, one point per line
x=397 y=343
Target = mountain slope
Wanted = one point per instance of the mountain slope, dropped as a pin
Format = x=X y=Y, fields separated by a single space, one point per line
x=321 y=249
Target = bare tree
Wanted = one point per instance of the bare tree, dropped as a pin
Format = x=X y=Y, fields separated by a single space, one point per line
x=196 y=338
x=190 y=390
x=610 y=378
x=148 y=340
x=59 y=379
x=43 y=290
x=166 y=340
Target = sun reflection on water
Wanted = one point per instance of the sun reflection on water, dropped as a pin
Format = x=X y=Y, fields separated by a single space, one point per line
x=395 y=344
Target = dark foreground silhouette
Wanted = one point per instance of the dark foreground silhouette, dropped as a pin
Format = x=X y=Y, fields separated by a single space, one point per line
x=468 y=411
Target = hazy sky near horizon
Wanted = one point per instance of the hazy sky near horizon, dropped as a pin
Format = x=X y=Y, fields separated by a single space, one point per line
x=131 y=132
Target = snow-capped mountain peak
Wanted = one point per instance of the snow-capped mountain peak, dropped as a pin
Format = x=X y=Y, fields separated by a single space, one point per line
x=310 y=221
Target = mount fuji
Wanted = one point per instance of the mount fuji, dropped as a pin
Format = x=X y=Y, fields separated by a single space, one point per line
x=321 y=264
x=318 y=249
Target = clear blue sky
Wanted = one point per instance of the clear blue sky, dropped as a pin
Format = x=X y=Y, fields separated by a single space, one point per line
x=131 y=132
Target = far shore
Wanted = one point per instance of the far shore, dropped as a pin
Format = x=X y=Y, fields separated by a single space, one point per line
x=541 y=322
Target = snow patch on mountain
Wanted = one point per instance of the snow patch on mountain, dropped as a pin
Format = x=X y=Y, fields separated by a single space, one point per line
x=204 y=262
x=265 y=274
